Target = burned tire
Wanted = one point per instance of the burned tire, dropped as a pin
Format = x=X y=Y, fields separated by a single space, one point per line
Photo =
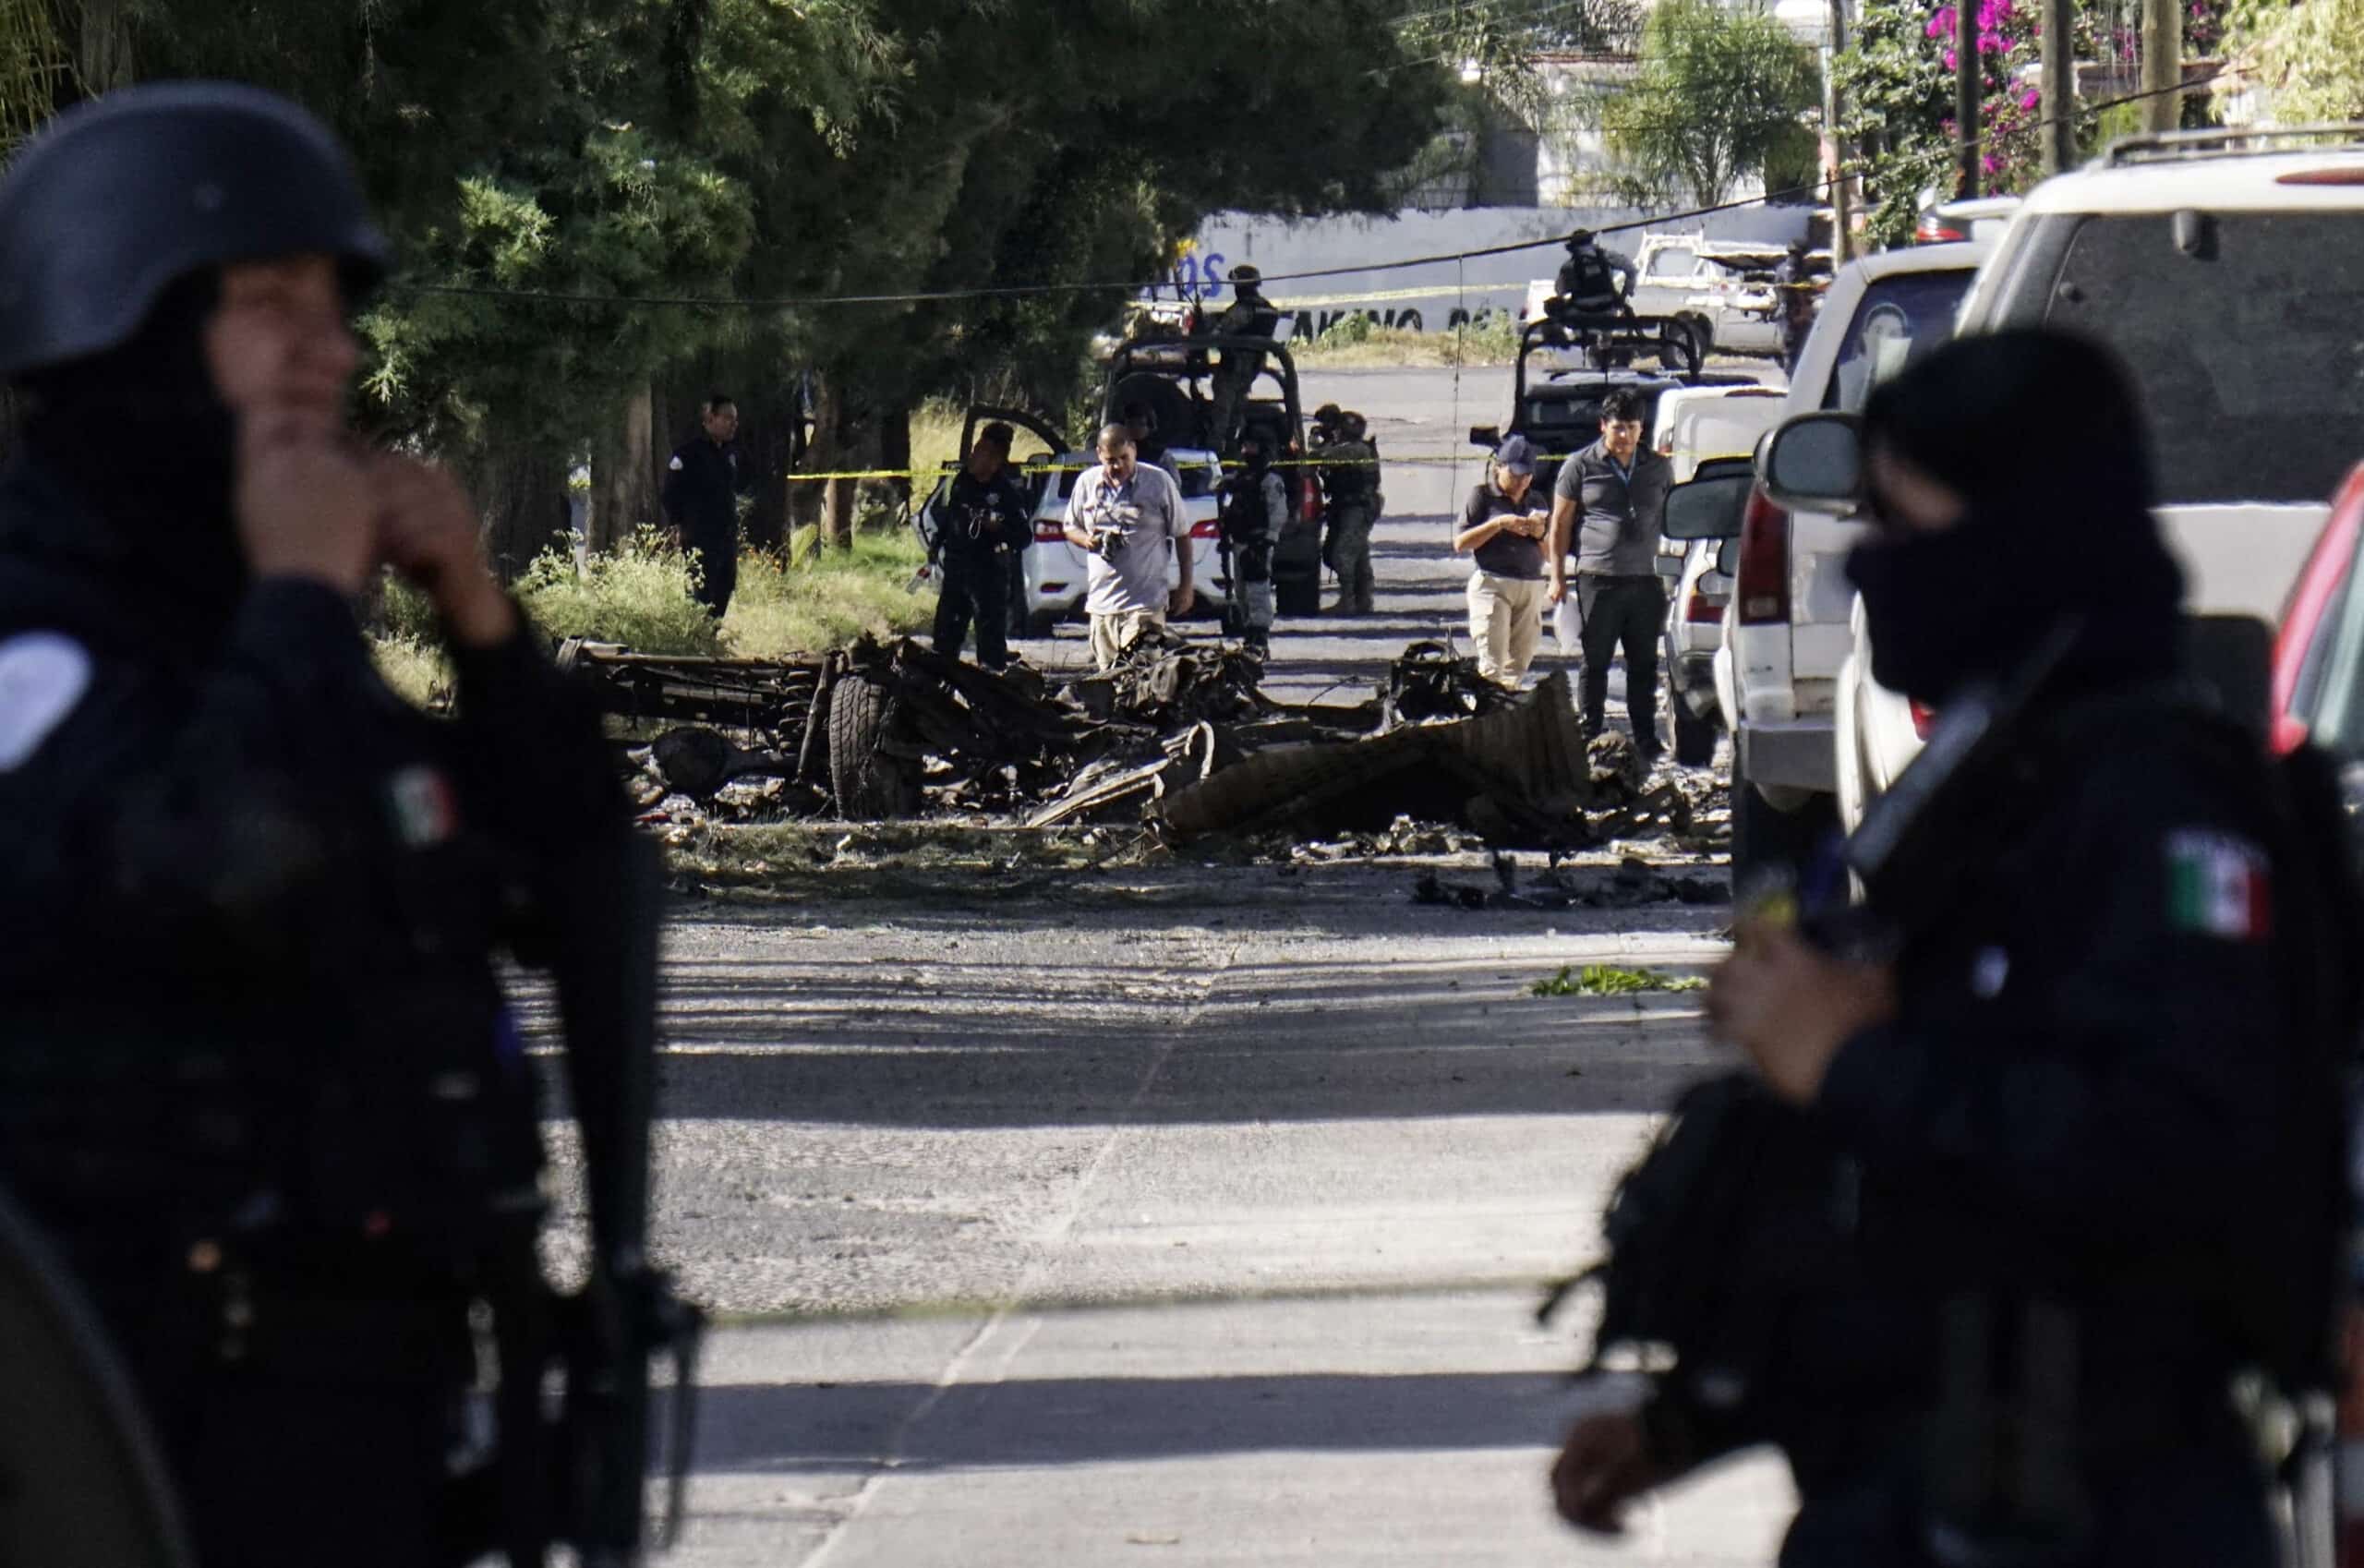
x=870 y=783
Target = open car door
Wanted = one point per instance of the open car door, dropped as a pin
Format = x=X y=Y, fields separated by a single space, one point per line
x=1033 y=467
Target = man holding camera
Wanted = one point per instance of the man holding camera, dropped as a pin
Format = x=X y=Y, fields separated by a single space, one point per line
x=1127 y=513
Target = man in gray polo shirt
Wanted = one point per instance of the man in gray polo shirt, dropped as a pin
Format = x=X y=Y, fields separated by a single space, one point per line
x=1128 y=514
x=1610 y=499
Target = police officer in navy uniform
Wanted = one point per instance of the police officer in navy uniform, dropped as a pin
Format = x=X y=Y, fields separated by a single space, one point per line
x=703 y=484
x=981 y=520
x=258 y=1079
x=2079 y=1064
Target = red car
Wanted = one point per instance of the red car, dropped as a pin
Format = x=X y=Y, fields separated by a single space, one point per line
x=2311 y=646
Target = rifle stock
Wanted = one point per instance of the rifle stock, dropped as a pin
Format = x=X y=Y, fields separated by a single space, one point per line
x=605 y=907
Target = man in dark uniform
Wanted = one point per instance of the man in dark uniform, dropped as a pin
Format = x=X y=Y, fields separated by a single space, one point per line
x=703 y=484
x=1252 y=510
x=981 y=521
x=1587 y=284
x=1608 y=506
x=256 y=1076
x=1794 y=296
x=1350 y=483
x=2078 y=1075
x=1249 y=315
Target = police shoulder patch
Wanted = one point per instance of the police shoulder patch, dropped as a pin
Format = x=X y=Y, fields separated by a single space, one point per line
x=43 y=675
x=2219 y=885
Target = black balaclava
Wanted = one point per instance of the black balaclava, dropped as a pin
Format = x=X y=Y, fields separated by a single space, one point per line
x=2040 y=433
x=142 y=444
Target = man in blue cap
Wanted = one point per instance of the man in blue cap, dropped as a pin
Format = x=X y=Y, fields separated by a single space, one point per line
x=1504 y=533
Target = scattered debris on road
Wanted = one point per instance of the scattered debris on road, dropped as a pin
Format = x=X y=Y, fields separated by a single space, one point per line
x=1611 y=980
x=1632 y=884
x=1180 y=737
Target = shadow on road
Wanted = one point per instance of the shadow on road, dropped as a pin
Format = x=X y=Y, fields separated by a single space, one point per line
x=1096 y=1420
x=952 y=1046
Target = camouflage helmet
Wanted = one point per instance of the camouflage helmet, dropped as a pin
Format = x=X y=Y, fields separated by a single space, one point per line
x=119 y=198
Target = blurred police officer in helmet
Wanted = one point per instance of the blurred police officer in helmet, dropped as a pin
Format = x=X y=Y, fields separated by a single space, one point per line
x=257 y=1077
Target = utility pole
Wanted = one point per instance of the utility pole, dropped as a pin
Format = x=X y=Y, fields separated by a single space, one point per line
x=1842 y=237
x=2059 y=88
x=1966 y=68
x=2161 y=65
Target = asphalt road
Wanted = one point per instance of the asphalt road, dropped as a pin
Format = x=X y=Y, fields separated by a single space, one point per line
x=1187 y=1216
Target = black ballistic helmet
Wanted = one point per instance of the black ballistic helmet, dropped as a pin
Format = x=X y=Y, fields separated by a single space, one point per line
x=118 y=198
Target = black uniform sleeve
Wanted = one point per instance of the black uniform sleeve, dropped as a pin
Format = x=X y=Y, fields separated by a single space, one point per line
x=674 y=496
x=2136 y=1099
x=1018 y=519
x=536 y=753
x=188 y=831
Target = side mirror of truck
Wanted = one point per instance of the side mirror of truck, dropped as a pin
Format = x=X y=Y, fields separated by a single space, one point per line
x=1488 y=436
x=1708 y=509
x=1813 y=462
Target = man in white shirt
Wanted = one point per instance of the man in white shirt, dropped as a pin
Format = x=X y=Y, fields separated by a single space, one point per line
x=1128 y=514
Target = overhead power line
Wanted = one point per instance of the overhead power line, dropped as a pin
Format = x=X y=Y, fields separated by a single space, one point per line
x=1017 y=291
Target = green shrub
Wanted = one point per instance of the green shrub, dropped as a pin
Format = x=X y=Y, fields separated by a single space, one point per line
x=417 y=670
x=1610 y=980
x=640 y=595
x=815 y=604
x=406 y=614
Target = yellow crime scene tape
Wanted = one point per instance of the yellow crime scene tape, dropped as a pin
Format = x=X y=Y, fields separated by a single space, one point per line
x=1432 y=460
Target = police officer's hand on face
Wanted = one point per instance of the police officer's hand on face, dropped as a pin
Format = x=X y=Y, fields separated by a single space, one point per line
x=428 y=532
x=311 y=502
x=281 y=357
x=1792 y=1007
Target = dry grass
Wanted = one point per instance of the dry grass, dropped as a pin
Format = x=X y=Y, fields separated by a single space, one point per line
x=419 y=672
x=1356 y=344
x=640 y=597
x=812 y=606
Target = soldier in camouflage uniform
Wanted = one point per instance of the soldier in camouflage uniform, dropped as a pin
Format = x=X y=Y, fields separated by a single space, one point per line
x=1350 y=478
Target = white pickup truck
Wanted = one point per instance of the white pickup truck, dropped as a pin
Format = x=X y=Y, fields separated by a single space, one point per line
x=1787 y=628
x=1718 y=287
x=2221 y=267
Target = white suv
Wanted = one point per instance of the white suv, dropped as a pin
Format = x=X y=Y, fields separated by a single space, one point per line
x=1786 y=629
x=2227 y=271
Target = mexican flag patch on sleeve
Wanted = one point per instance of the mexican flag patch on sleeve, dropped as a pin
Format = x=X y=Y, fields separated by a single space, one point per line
x=2219 y=885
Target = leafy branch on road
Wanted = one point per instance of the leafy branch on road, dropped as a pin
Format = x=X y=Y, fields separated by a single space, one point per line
x=1610 y=980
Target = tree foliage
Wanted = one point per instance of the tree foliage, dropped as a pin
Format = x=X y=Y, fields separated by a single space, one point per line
x=549 y=169
x=2308 y=57
x=1721 y=95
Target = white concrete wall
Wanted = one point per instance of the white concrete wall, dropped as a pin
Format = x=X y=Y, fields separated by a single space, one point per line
x=1436 y=290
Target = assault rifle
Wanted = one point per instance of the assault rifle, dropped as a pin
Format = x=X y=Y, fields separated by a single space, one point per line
x=605 y=1338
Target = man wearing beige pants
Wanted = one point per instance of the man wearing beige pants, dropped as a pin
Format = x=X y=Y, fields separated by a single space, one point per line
x=1506 y=590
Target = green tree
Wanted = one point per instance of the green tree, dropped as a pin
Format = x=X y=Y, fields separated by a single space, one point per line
x=1721 y=95
x=2308 y=57
x=554 y=172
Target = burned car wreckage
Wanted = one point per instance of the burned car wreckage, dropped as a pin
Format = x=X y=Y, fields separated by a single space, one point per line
x=1179 y=737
